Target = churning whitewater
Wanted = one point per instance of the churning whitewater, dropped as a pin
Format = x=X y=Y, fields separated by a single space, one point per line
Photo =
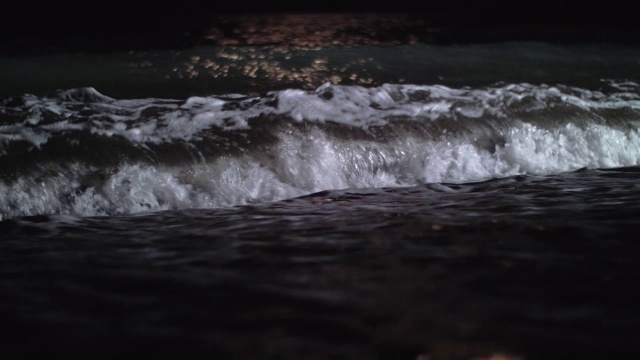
x=80 y=152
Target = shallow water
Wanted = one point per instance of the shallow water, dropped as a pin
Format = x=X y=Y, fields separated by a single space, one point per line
x=521 y=266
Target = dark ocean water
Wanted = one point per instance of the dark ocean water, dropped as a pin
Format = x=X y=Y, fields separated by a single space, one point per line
x=360 y=190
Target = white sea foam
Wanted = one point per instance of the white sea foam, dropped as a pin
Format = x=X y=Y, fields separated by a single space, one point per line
x=486 y=133
x=158 y=121
x=298 y=166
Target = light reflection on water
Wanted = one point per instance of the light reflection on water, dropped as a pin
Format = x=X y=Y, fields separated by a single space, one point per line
x=299 y=68
x=289 y=48
x=308 y=31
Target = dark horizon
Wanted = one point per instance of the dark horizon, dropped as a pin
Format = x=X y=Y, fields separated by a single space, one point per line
x=114 y=26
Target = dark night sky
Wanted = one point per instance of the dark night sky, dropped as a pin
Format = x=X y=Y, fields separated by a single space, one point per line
x=102 y=24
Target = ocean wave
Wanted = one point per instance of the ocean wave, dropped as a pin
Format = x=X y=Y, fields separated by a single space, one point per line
x=80 y=152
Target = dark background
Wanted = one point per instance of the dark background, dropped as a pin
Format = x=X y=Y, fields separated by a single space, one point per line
x=102 y=25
